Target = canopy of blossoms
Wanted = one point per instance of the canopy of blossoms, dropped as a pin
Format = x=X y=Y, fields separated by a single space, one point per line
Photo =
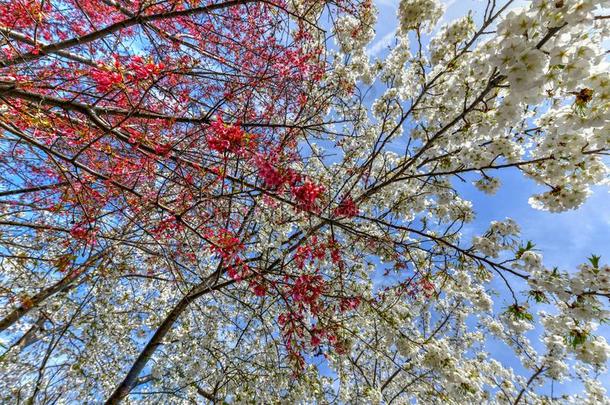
x=200 y=202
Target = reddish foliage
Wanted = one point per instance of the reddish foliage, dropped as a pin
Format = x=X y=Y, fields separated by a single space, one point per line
x=307 y=194
x=347 y=208
x=227 y=138
x=115 y=115
x=22 y=13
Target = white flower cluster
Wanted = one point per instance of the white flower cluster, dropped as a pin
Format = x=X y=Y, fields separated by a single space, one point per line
x=462 y=286
x=487 y=184
x=579 y=312
x=500 y=236
x=353 y=34
x=414 y=14
x=539 y=68
x=531 y=260
x=438 y=355
x=445 y=44
x=556 y=13
x=569 y=169
x=519 y=59
x=308 y=9
x=594 y=351
x=596 y=393
x=591 y=278
x=395 y=61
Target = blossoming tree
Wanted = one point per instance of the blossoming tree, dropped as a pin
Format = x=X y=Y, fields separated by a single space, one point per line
x=200 y=203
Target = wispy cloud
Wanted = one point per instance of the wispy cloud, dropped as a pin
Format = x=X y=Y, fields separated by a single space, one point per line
x=387 y=3
x=380 y=45
x=447 y=4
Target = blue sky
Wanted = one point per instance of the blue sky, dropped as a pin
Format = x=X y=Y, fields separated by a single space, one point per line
x=565 y=239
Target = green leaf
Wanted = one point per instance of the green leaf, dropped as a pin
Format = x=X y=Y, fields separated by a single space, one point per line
x=538 y=296
x=577 y=338
x=519 y=312
x=594 y=260
x=522 y=249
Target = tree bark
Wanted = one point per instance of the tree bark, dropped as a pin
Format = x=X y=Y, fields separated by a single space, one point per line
x=130 y=380
x=34 y=301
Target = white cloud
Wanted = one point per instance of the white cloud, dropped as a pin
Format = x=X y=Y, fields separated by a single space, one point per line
x=387 y=3
x=380 y=45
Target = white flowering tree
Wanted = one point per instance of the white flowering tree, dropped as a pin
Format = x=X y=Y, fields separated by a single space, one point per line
x=201 y=203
